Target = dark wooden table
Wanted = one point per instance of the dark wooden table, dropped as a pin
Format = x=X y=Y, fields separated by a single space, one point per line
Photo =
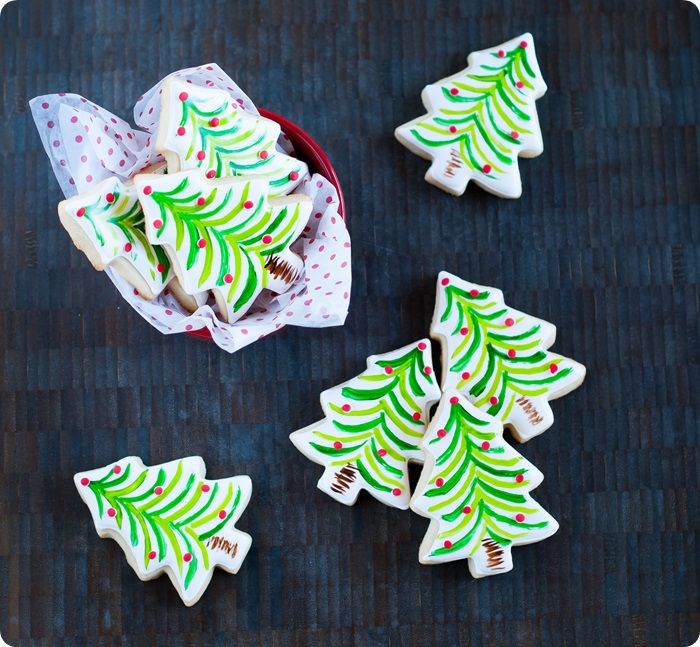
x=605 y=242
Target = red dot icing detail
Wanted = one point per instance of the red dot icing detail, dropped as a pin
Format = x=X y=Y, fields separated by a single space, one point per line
x=117 y=469
x=553 y=368
x=211 y=174
x=427 y=370
x=454 y=400
x=454 y=91
x=158 y=490
x=466 y=375
x=112 y=512
x=445 y=281
x=511 y=352
x=293 y=176
x=157 y=223
x=509 y=322
x=523 y=44
x=442 y=433
x=501 y=53
x=493 y=400
x=128 y=247
x=396 y=491
x=181 y=131
x=439 y=482
x=416 y=416
x=519 y=478
x=80 y=212
x=201 y=243
x=337 y=445
x=228 y=278
x=520 y=517
x=453 y=129
x=266 y=239
x=346 y=407
x=187 y=557
x=160 y=267
x=222 y=514
x=447 y=543
x=214 y=122
x=464 y=331
x=182 y=96
x=110 y=197
x=486 y=168
x=248 y=204
x=263 y=155
x=381 y=452
x=201 y=201
x=422 y=346
x=152 y=554
x=201 y=155
x=205 y=487
x=519 y=84
x=466 y=509
x=84 y=481
x=514 y=134
x=147 y=190
x=485 y=445
x=388 y=370
x=474 y=293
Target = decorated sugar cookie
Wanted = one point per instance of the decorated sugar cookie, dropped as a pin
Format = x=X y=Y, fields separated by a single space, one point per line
x=475 y=489
x=106 y=224
x=170 y=518
x=373 y=426
x=224 y=235
x=498 y=356
x=481 y=120
x=204 y=128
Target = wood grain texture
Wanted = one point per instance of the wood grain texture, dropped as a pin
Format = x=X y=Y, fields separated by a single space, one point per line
x=605 y=242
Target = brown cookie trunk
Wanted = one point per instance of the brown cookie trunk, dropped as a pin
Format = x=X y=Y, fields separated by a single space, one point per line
x=220 y=543
x=280 y=269
x=344 y=477
x=530 y=410
x=454 y=163
x=494 y=554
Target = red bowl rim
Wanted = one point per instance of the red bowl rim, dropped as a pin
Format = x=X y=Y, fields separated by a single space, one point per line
x=309 y=150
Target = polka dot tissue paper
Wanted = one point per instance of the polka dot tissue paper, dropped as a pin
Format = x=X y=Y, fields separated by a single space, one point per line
x=87 y=144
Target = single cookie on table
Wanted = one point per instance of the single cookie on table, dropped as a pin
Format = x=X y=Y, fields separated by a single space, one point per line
x=205 y=128
x=106 y=224
x=170 y=519
x=373 y=426
x=481 y=120
x=498 y=357
x=475 y=489
x=224 y=235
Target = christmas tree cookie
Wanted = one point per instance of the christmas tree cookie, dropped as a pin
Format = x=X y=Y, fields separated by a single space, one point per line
x=224 y=235
x=107 y=225
x=498 y=357
x=481 y=120
x=170 y=518
x=373 y=426
x=204 y=128
x=475 y=489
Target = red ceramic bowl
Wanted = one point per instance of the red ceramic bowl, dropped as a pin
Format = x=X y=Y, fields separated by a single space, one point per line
x=307 y=149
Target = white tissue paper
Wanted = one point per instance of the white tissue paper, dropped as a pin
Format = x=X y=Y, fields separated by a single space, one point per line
x=87 y=144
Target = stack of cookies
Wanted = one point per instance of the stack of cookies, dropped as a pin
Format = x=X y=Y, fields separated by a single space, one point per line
x=214 y=222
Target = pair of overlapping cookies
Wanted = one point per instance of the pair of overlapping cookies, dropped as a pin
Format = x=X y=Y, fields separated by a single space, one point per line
x=214 y=218
x=496 y=370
